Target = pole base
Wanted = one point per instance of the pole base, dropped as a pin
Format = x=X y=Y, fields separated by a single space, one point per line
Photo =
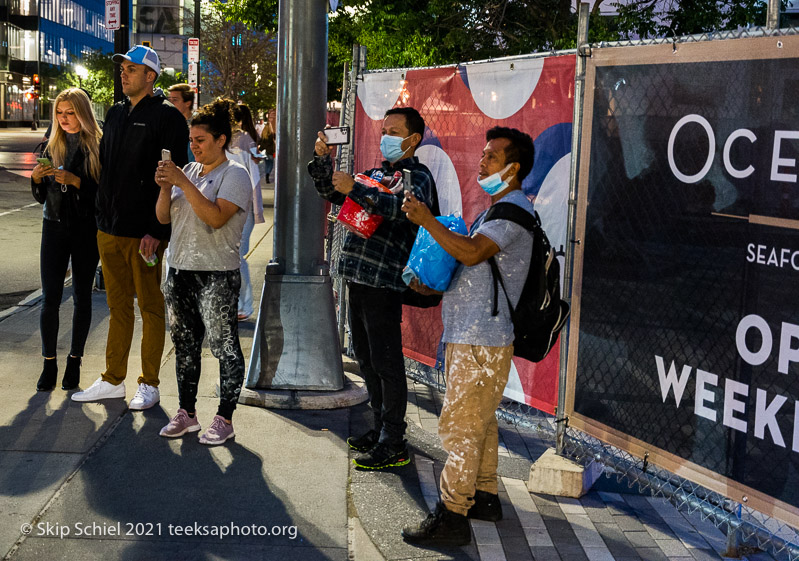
x=353 y=393
x=296 y=345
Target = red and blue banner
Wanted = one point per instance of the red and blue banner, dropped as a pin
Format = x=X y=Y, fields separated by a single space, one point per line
x=459 y=104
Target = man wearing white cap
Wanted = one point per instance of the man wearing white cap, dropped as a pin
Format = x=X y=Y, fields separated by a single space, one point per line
x=130 y=238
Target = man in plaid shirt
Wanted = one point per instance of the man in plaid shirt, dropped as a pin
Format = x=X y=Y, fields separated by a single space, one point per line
x=373 y=270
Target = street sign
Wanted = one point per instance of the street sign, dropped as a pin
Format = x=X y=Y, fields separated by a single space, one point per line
x=112 y=14
x=193 y=74
x=194 y=49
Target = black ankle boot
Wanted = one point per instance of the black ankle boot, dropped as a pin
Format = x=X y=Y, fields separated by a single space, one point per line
x=49 y=376
x=440 y=528
x=486 y=507
x=71 y=373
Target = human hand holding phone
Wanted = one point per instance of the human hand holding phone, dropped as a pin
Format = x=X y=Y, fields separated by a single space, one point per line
x=43 y=168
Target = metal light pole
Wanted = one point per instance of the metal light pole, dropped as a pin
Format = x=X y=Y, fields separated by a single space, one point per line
x=297 y=341
x=121 y=45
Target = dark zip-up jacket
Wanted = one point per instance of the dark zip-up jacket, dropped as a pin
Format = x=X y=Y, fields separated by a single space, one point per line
x=129 y=153
x=65 y=203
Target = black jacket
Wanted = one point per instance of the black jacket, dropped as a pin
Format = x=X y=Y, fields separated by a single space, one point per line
x=65 y=203
x=129 y=153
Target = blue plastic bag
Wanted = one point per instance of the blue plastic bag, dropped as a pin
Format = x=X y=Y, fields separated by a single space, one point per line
x=428 y=261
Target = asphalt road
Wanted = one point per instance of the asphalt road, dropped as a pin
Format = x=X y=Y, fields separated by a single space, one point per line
x=20 y=217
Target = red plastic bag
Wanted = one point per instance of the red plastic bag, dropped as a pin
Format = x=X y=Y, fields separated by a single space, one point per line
x=354 y=217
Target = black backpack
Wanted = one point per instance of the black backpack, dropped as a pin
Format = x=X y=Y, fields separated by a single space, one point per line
x=540 y=314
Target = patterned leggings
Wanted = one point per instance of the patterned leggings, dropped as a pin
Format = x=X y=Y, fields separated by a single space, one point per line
x=200 y=302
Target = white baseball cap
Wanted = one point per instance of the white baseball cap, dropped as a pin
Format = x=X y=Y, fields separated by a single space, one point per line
x=141 y=55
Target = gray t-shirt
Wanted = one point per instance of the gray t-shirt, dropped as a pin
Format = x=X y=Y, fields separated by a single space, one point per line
x=196 y=246
x=466 y=306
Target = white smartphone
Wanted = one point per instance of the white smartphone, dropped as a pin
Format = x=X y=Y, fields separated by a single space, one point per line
x=166 y=155
x=337 y=135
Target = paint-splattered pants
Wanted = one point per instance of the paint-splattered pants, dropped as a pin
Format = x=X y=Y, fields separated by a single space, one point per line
x=476 y=378
x=199 y=302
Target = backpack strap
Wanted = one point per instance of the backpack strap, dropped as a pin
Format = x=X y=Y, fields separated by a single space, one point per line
x=517 y=215
x=496 y=276
x=514 y=213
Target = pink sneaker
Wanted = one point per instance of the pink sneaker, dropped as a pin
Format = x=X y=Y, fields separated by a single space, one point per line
x=180 y=424
x=218 y=432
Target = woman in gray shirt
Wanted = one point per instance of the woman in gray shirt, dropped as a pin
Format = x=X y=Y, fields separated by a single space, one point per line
x=207 y=203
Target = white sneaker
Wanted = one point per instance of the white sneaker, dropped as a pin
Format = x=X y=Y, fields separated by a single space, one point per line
x=146 y=396
x=100 y=389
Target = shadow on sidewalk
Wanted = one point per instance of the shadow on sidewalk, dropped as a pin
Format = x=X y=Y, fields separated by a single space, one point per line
x=151 y=486
x=50 y=424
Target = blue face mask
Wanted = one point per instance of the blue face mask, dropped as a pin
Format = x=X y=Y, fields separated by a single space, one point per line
x=493 y=184
x=391 y=147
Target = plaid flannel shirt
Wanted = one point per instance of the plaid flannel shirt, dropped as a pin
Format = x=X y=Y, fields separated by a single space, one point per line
x=379 y=260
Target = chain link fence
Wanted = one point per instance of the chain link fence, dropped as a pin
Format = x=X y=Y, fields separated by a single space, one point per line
x=656 y=281
x=630 y=240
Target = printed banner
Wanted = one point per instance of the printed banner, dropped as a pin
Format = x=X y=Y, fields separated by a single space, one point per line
x=687 y=318
x=459 y=104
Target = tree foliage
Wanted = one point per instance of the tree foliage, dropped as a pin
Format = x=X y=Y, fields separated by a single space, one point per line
x=240 y=61
x=100 y=80
x=672 y=18
x=408 y=33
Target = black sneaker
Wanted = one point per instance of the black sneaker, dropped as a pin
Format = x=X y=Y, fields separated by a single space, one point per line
x=365 y=442
x=383 y=455
x=440 y=528
x=486 y=507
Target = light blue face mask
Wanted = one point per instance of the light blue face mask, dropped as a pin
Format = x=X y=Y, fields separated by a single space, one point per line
x=493 y=184
x=391 y=147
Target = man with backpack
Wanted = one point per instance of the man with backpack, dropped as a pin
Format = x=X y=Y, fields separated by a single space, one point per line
x=373 y=268
x=479 y=336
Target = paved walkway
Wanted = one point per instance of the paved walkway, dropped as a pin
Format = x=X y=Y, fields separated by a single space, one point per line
x=612 y=522
x=94 y=481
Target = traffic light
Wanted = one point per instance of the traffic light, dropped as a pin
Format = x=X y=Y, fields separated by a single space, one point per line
x=147 y=44
x=37 y=86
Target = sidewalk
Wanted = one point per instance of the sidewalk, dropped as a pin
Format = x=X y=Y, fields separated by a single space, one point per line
x=96 y=482
x=84 y=474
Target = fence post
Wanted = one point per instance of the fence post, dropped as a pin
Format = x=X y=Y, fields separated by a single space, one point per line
x=733 y=539
x=773 y=15
x=345 y=161
x=577 y=117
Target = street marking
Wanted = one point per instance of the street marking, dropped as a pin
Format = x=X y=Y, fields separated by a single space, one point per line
x=18 y=209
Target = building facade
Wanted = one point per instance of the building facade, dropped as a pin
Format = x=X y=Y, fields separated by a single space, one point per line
x=42 y=37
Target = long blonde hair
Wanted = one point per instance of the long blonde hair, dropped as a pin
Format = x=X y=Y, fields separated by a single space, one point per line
x=90 y=132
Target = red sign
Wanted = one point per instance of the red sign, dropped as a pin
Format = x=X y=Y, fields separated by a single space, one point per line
x=112 y=14
x=194 y=49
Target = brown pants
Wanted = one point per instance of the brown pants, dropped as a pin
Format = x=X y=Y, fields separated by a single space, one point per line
x=126 y=276
x=476 y=378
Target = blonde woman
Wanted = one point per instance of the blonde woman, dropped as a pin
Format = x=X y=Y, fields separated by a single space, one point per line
x=67 y=184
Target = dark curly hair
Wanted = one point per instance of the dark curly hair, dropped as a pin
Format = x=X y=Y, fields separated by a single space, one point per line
x=216 y=117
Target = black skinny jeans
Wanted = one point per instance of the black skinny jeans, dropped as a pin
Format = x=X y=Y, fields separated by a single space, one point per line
x=60 y=241
x=375 y=322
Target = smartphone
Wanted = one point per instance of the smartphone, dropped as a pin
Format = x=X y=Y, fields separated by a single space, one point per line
x=256 y=154
x=45 y=161
x=337 y=135
x=166 y=155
